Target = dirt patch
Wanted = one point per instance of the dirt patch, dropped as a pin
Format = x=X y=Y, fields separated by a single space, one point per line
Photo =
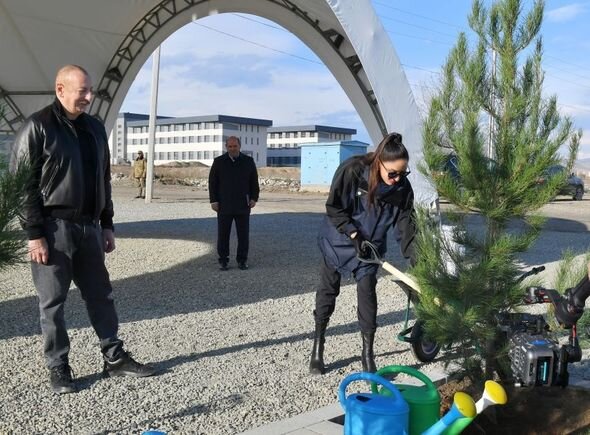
x=531 y=411
x=184 y=171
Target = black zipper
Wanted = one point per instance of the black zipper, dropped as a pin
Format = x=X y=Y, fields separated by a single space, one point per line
x=49 y=184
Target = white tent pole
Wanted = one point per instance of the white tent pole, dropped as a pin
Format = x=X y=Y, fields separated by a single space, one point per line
x=149 y=182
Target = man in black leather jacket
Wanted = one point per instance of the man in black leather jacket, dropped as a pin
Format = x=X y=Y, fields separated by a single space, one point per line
x=68 y=218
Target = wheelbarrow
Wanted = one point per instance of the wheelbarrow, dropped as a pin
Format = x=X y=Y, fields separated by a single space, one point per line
x=423 y=349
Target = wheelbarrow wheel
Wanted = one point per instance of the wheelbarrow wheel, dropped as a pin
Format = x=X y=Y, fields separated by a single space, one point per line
x=423 y=349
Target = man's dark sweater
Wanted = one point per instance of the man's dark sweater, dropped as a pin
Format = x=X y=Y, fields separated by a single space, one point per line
x=88 y=156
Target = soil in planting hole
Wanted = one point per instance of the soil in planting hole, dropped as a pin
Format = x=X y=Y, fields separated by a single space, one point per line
x=534 y=411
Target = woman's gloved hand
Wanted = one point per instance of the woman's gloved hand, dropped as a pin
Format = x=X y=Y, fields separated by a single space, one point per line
x=358 y=239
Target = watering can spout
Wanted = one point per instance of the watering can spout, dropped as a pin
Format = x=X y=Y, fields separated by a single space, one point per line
x=463 y=406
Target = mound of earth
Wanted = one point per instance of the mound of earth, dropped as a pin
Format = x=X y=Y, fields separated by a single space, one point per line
x=530 y=411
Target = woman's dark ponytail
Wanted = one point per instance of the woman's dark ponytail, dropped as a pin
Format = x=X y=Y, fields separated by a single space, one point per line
x=389 y=149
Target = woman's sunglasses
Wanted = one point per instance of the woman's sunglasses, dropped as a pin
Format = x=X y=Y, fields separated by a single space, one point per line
x=392 y=175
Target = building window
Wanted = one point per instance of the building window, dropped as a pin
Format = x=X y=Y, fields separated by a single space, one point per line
x=257 y=129
x=176 y=139
x=206 y=138
x=312 y=134
x=199 y=155
x=256 y=156
x=272 y=145
x=216 y=154
x=272 y=135
x=176 y=155
x=257 y=141
x=287 y=135
x=184 y=155
x=207 y=154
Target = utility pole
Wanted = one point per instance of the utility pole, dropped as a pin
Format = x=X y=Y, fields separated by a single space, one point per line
x=149 y=182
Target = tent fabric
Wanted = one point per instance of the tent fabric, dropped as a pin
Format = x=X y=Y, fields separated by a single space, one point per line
x=36 y=38
x=388 y=81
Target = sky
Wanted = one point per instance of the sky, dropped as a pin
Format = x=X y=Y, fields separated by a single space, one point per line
x=244 y=65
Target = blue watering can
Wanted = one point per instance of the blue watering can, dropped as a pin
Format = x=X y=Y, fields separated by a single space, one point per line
x=373 y=414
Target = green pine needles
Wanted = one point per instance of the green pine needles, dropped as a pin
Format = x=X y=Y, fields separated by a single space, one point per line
x=504 y=134
x=12 y=193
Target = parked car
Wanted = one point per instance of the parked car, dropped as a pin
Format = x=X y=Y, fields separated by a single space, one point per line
x=573 y=187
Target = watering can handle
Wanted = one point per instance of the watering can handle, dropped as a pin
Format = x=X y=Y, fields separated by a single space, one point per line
x=392 y=370
x=371 y=377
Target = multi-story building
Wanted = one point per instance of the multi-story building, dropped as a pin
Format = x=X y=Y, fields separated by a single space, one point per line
x=283 y=142
x=194 y=138
x=118 y=136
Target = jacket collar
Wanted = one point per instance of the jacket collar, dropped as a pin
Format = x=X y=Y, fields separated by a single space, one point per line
x=231 y=158
x=60 y=112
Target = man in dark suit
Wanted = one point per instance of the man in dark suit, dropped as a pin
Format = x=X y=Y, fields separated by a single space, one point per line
x=233 y=192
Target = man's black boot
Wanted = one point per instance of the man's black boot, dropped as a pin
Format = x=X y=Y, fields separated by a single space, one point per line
x=367 y=356
x=316 y=365
x=124 y=365
x=61 y=380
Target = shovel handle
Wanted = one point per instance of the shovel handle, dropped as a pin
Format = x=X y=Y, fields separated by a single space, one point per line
x=398 y=274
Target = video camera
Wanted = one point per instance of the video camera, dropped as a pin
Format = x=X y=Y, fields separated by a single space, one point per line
x=536 y=359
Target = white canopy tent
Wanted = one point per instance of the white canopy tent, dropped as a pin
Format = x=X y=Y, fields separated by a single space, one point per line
x=112 y=39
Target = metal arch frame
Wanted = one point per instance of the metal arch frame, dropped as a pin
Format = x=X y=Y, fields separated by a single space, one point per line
x=165 y=11
x=12 y=117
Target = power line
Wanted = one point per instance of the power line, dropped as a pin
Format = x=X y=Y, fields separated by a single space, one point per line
x=566 y=80
x=569 y=72
x=291 y=54
x=432 y=41
x=258 y=44
x=385 y=5
x=567 y=62
x=261 y=22
x=321 y=63
x=415 y=25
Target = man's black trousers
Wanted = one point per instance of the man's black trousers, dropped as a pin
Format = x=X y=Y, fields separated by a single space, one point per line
x=224 y=224
x=75 y=254
x=329 y=289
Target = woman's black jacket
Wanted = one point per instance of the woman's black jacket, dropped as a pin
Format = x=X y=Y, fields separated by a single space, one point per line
x=347 y=211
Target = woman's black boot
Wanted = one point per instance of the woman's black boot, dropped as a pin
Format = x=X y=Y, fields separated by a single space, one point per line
x=367 y=356
x=316 y=365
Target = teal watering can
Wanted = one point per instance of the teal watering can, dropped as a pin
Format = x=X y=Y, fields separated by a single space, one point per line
x=373 y=414
x=463 y=407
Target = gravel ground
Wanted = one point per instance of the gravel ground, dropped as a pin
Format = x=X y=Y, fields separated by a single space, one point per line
x=233 y=346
